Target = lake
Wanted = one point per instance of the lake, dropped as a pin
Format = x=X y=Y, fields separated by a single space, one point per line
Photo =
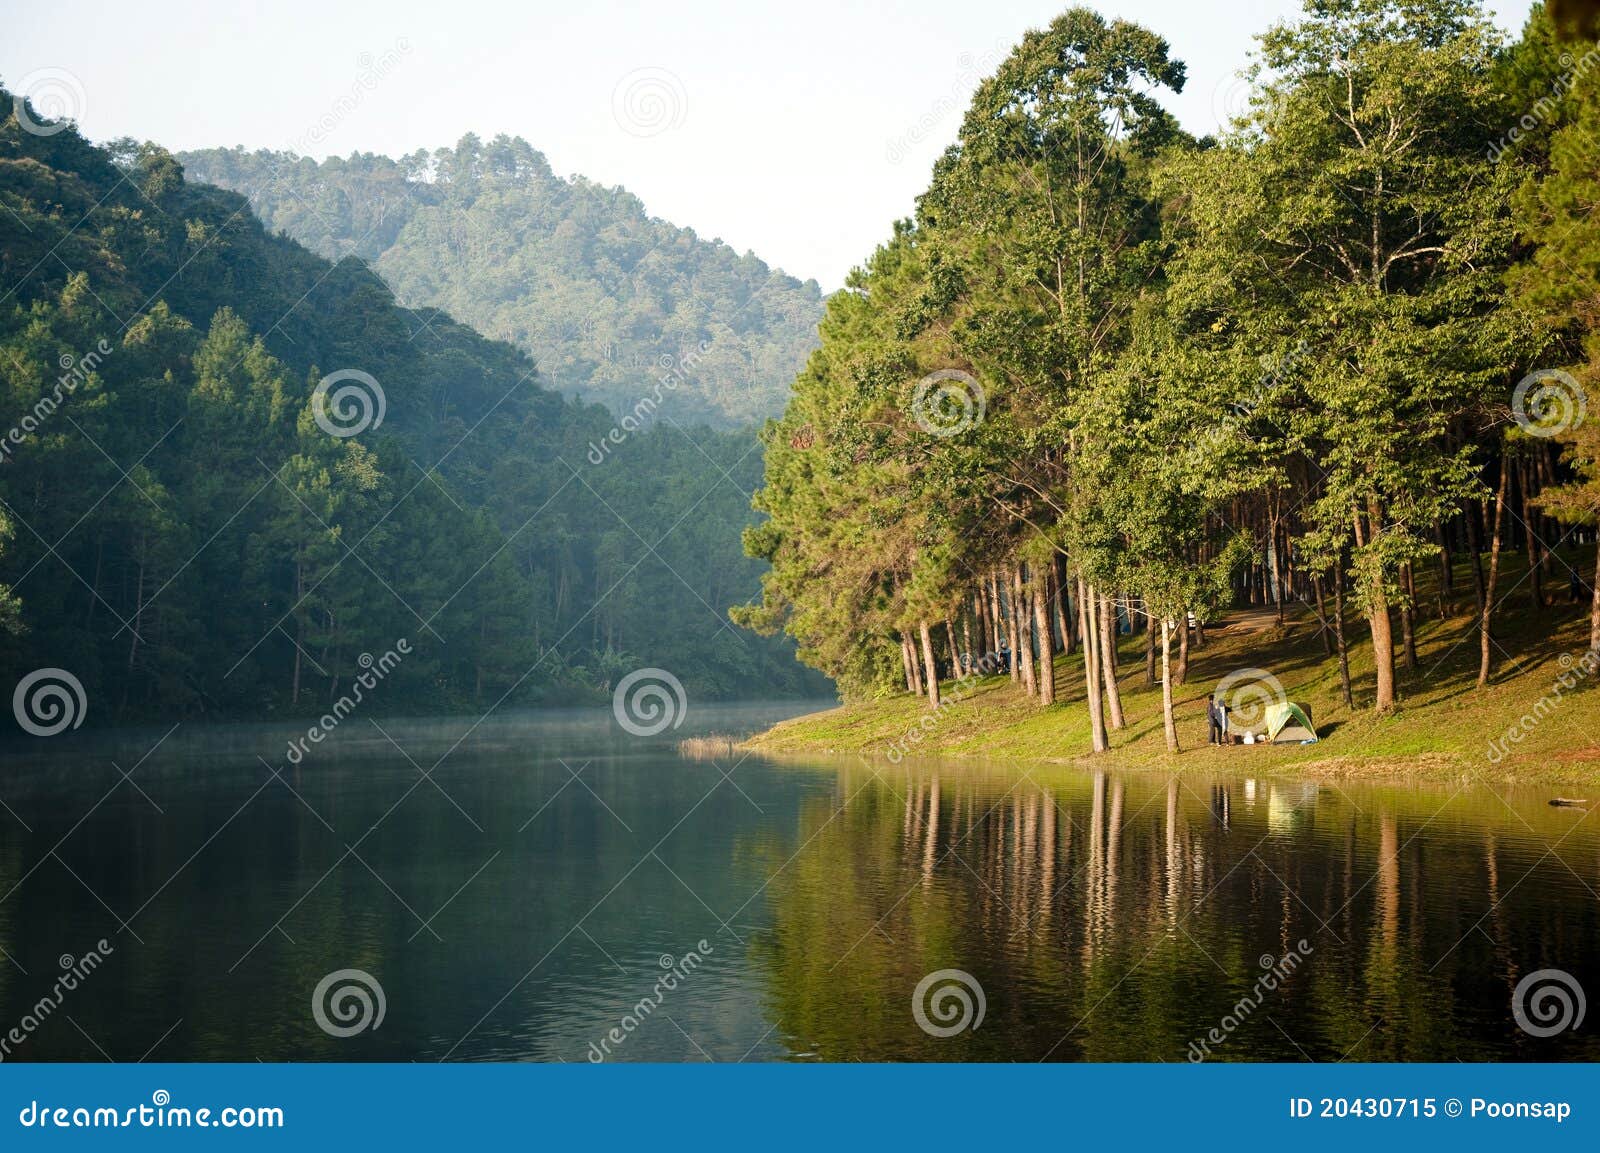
x=557 y=889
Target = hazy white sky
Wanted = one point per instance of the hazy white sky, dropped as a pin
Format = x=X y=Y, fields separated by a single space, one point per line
x=797 y=130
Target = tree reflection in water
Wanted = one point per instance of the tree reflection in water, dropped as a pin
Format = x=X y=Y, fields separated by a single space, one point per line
x=1119 y=916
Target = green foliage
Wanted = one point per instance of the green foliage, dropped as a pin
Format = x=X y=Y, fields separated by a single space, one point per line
x=576 y=274
x=1289 y=349
x=179 y=531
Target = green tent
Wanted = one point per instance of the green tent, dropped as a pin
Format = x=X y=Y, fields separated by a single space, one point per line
x=1290 y=724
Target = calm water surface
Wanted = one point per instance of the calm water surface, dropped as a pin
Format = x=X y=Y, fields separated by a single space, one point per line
x=521 y=899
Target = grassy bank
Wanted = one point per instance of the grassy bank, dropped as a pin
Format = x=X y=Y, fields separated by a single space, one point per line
x=1444 y=729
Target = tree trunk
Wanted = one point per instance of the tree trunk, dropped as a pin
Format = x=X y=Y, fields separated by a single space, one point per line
x=1469 y=516
x=996 y=627
x=1183 y=648
x=1112 y=623
x=1108 y=662
x=1408 y=633
x=1484 y=640
x=1322 y=615
x=930 y=671
x=1058 y=599
x=910 y=663
x=1594 y=608
x=1150 y=651
x=1447 y=586
x=1064 y=605
x=1041 y=623
x=1338 y=637
x=1535 y=553
x=1019 y=610
x=1378 y=615
x=1091 y=669
x=1011 y=628
x=1168 y=724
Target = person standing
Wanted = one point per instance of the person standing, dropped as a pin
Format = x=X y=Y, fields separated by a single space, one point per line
x=1214 y=724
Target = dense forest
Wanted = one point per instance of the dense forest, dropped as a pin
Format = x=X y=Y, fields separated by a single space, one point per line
x=576 y=274
x=234 y=474
x=1112 y=376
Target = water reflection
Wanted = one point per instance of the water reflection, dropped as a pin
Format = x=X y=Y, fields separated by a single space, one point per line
x=1120 y=917
x=522 y=899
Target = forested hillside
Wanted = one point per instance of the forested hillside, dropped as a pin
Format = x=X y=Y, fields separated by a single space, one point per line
x=1113 y=377
x=577 y=274
x=233 y=474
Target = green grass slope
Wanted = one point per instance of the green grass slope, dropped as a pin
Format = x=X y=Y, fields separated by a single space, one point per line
x=1446 y=728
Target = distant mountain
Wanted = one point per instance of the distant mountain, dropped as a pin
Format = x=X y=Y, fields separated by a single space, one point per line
x=194 y=520
x=611 y=302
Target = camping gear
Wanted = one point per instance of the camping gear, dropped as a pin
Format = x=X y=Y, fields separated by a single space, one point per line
x=1289 y=723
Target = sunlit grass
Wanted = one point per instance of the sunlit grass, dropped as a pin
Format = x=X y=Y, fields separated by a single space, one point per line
x=1443 y=727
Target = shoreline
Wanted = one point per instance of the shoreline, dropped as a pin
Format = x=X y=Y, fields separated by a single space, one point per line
x=1537 y=723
